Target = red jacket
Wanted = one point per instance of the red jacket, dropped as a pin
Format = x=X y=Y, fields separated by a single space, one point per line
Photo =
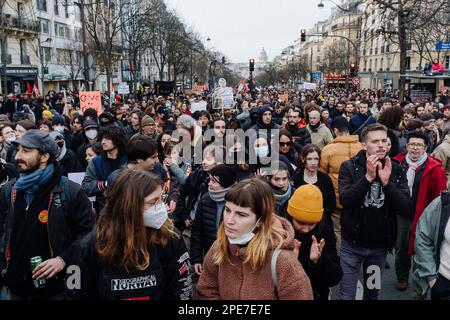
x=437 y=67
x=432 y=183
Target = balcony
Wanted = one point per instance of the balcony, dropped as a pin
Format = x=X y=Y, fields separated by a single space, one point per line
x=18 y=25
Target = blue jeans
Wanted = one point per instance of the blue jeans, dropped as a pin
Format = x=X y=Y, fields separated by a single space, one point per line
x=352 y=257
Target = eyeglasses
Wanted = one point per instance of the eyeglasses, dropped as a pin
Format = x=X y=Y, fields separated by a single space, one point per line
x=285 y=144
x=416 y=145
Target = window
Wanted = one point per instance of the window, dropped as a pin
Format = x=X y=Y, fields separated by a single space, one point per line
x=42 y=5
x=77 y=13
x=62 y=56
x=408 y=63
x=67 y=32
x=381 y=64
x=62 y=30
x=45 y=26
x=376 y=64
x=370 y=65
x=376 y=50
x=56 y=7
x=318 y=58
x=20 y=10
x=24 y=59
x=47 y=54
x=387 y=48
x=447 y=62
x=388 y=64
x=77 y=34
x=66 y=8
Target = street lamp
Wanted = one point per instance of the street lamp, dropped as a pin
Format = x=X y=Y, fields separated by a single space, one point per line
x=351 y=7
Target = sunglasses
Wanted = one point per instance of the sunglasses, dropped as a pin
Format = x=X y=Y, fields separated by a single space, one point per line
x=285 y=144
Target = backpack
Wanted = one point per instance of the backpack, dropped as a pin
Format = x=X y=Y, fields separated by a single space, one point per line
x=64 y=196
x=273 y=269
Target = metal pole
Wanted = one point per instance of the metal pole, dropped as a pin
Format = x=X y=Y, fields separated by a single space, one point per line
x=311 y=76
x=85 y=55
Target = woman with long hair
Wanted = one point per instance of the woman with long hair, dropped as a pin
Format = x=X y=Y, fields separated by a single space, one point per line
x=254 y=256
x=133 y=253
x=309 y=174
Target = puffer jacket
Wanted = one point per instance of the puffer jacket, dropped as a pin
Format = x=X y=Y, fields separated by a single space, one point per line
x=204 y=228
x=334 y=154
x=442 y=152
x=235 y=280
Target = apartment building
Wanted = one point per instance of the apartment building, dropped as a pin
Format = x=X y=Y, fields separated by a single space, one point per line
x=19 y=30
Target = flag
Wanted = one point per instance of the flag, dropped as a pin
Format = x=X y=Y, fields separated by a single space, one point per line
x=112 y=94
x=35 y=91
x=28 y=87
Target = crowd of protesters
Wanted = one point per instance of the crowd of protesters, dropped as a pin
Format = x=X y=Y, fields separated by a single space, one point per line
x=327 y=182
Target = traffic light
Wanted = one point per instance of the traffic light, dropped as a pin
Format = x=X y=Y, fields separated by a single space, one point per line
x=252 y=64
x=353 y=70
x=303 y=35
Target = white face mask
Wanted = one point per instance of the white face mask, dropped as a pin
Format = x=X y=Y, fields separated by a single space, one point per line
x=155 y=216
x=245 y=238
x=262 y=152
x=59 y=129
x=91 y=134
x=11 y=139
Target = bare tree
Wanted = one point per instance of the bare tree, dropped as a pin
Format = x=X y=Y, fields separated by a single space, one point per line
x=424 y=39
x=104 y=24
x=135 y=35
x=398 y=19
x=336 y=58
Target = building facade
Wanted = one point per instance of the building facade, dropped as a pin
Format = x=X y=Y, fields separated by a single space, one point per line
x=19 y=30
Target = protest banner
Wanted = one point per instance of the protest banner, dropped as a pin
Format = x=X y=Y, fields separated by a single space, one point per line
x=91 y=99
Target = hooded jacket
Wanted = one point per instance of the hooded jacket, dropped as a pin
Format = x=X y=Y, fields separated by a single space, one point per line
x=235 y=280
x=432 y=182
x=260 y=125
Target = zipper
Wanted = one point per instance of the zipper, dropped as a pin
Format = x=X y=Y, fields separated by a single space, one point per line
x=50 y=200
x=8 y=249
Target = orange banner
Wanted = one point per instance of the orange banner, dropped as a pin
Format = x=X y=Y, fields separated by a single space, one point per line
x=91 y=99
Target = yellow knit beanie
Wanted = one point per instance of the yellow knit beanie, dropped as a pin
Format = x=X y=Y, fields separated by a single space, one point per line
x=306 y=204
x=48 y=114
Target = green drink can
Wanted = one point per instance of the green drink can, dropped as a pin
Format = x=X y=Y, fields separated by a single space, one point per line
x=35 y=261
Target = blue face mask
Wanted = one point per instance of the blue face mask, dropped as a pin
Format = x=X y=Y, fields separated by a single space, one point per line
x=262 y=152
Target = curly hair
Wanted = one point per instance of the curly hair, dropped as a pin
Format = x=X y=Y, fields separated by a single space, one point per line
x=117 y=136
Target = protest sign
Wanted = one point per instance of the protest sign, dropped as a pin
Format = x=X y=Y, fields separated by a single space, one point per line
x=91 y=99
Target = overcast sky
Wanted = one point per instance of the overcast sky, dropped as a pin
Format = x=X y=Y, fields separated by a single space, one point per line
x=241 y=28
